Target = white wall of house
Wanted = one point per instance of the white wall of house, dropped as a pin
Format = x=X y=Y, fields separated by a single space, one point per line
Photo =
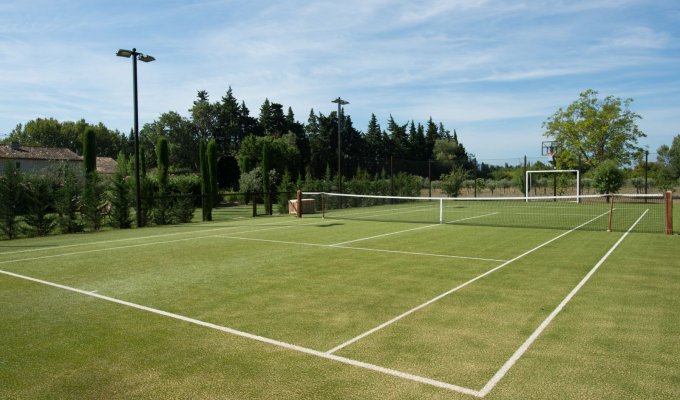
x=31 y=165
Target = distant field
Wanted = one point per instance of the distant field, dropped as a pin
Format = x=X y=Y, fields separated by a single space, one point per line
x=278 y=307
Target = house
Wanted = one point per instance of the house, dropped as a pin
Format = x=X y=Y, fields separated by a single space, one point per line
x=106 y=166
x=27 y=158
x=33 y=159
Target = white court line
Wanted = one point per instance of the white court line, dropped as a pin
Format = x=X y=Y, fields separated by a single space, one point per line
x=305 y=350
x=357 y=248
x=427 y=303
x=129 y=239
x=408 y=230
x=135 y=245
x=525 y=346
x=383 y=235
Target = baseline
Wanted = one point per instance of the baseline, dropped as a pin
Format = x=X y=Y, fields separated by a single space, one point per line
x=278 y=343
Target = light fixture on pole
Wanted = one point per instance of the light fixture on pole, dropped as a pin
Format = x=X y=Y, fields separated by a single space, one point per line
x=340 y=103
x=144 y=58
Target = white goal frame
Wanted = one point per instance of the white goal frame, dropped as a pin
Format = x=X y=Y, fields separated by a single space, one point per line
x=527 y=180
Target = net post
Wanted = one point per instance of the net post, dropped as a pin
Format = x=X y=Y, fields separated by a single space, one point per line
x=611 y=212
x=578 y=186
x=298 y=211
x=441 y=211
x=526 y=186
x=323 y=205
x=669 y=212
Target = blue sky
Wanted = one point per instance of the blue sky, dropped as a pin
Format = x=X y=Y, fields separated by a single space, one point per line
x=492 y=70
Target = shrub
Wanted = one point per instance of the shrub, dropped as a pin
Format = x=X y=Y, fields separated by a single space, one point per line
x=40 y=198
x=608 y=178
x=452 y=182
x=185 y=189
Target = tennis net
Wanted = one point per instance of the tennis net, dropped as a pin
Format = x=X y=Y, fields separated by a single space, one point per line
x=616 y=212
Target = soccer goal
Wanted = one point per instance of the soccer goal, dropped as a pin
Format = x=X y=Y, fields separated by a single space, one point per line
x=527 y=180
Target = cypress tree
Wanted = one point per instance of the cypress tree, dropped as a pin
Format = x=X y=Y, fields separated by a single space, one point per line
x=205 y=182
x=211 y=155
x=265 y=178
x=89 y=151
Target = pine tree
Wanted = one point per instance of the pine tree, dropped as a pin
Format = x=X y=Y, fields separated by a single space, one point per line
x=68 y=202
x=374 y=140
x=205 y=182
x=40 y=199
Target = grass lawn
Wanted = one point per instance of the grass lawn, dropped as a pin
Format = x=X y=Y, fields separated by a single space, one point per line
x=276 y=307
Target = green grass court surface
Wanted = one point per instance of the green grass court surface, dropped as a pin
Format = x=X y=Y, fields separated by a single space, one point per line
x=339 y=308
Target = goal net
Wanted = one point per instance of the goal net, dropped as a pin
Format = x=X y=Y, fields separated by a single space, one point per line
x=528 y=185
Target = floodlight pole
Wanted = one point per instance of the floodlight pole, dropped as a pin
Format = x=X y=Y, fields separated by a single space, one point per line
x=146 y=58
x=341 y=103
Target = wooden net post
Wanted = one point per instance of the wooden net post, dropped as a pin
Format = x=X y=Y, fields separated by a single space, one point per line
x=298 y=211
x=669 y=213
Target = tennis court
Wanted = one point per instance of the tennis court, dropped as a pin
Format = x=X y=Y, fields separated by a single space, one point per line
x=355 y=303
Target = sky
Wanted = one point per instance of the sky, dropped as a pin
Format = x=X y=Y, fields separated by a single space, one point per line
x=492 y=70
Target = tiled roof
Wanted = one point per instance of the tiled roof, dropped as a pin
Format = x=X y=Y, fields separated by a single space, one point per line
x=37 y=153
x=106 y=165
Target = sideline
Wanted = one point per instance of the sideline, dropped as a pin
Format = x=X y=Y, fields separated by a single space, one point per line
x=525 y=346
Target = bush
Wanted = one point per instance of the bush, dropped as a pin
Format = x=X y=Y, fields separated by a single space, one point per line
x=452 y=182
x=185 y=188
x=608 y=178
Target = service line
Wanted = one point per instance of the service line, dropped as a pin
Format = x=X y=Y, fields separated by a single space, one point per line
x=455 y=289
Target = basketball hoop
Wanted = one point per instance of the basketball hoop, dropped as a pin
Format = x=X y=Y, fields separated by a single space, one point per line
x=549 y=148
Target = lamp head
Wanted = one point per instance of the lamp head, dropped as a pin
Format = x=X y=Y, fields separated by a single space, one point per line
x=124 y=53
x=146 y=58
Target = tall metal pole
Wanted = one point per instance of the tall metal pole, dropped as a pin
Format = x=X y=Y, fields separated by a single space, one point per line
x=341 y=103
x=340 y=143
x=646 y=168
x=138 y=196
x=145 y=58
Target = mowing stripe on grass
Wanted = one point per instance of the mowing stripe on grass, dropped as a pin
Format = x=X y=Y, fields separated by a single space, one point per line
x=335 y=246
x=305 y=350
x=525 y=346
x=441 y=296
